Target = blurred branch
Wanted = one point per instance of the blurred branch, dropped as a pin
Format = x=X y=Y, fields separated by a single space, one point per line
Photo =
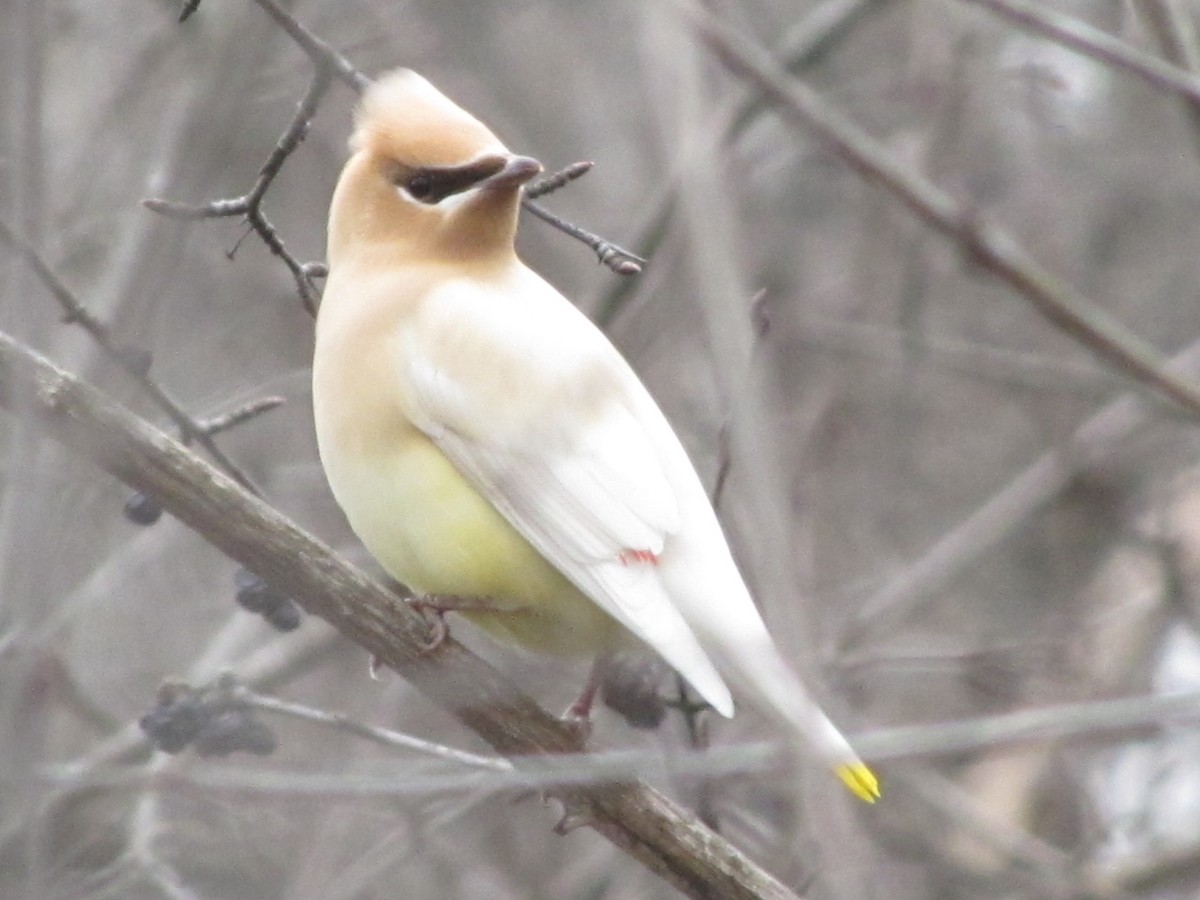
x=1096 y=440
x=269 y=665
x=384 y=736
x=1176 y=34
x=976 y=360
x=1171 y=23
x=1097 y=44
x=648 y=826
x=1130 y=718
x=133 y=361
x=1054 y=869
x=983 y=242
x=1124 y=719
x=1144 y=873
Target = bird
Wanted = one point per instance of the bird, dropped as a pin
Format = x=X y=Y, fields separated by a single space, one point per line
x=495 y=452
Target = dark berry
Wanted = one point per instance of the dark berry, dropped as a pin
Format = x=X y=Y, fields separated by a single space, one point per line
x=285 y=616
x=142 y=510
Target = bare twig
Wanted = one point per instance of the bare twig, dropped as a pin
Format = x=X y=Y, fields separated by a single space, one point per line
x=645 y=824
x=238 y=415
x=547 y=184
x=619 y=260
x=135 y=362
x=384 y=736
x=616 y=258
x=984 y=243
x=249 y=204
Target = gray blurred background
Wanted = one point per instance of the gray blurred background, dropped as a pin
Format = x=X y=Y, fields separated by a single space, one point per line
x=884 y=402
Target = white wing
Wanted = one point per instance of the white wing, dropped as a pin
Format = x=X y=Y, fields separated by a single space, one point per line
x=534 y=412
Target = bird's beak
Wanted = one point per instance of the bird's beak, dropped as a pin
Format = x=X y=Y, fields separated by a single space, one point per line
x=515 y=172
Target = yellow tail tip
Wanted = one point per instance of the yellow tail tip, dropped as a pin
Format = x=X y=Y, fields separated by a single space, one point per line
x=860 y=780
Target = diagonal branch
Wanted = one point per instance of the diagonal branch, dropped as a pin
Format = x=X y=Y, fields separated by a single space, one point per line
x=641 y=821
x=322 y=55
x=1095 y=441
x=133 y=361
x=984 y=243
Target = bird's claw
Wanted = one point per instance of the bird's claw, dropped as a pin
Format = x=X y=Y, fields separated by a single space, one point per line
x=435 y=615
x=576 y=814
x=579 y=725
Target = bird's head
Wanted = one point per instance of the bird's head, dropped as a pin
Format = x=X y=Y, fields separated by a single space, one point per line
x=426 y=181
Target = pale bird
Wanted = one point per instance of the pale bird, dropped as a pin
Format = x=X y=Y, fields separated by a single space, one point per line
x=488 y=443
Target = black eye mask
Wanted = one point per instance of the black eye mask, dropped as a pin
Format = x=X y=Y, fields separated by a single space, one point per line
x=433 y=185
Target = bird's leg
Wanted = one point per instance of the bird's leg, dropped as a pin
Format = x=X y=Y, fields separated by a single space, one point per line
x=435 y=606
x=579 y=714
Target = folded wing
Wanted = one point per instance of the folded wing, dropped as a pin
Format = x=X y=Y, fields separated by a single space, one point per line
x=580 y=480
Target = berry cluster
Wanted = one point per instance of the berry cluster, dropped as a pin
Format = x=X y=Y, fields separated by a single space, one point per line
x=210 y=720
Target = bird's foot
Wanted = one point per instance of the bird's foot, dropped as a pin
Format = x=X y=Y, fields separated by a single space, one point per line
x=578 y=716
x=580 y=723
x=576 y=814
x=434 y=608
x=435 y=614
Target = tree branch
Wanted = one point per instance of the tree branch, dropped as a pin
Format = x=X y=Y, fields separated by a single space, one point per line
x=135 y=362
x=983 y=242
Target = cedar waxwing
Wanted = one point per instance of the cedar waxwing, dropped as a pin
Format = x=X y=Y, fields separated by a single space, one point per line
x=487 y=442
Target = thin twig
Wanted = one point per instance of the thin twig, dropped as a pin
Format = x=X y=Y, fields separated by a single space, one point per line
x=983 y=242
x=549 y=183
x=249 y=204
x=1126 y=718
x=239 y=414
x=1123 y=719
x=320 y=53
x=133 y=361
x=614 y=257
x=384 y=736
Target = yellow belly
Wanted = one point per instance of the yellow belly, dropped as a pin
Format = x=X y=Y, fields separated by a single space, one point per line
x=435 y=533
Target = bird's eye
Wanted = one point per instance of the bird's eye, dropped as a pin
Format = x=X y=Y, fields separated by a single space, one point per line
x=420 y=187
